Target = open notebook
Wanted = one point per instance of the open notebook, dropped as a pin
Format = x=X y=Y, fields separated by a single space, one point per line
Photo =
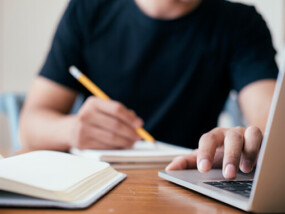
x=54 y=179
x=142 y=155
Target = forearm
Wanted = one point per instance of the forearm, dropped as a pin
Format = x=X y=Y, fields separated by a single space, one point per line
x=46 y=129
x=255 y=101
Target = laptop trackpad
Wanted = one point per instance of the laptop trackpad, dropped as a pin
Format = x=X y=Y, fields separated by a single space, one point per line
x=212 y=180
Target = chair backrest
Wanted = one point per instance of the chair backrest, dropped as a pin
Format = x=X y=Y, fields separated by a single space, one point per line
x=231 y=115
x=11 y=104
x=233 y=109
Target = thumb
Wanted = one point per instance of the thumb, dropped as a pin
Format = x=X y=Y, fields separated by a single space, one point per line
x=184 y=162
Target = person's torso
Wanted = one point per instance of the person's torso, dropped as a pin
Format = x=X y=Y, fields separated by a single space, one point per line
x=173 y=74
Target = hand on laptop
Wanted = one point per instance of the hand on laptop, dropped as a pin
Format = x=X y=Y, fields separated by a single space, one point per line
x=228 y=148
x=104 y=124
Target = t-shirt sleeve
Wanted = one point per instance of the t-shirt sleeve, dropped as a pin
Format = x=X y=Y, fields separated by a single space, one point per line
x=253 y=56
x=67 y=47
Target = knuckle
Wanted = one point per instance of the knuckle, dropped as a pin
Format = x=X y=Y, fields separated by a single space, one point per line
x=89 y=101
x=239 y=129
x=208 y=138
x=217 y=129
x=234 y=134
x=84 y=112
x=118 y=108
x=82 y=116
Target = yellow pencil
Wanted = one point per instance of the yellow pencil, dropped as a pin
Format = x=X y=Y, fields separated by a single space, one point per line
x=95 y=90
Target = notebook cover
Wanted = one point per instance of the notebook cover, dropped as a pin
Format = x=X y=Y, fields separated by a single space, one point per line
x=8 y=199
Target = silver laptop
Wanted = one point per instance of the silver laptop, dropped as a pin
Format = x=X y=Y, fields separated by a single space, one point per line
x=263 y=191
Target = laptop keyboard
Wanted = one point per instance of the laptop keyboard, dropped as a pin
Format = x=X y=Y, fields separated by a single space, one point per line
x=239 y=187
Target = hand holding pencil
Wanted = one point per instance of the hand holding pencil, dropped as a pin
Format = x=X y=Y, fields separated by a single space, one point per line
x=125 y=120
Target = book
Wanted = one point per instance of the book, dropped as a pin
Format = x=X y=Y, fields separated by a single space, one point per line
x=54 y=179
x=142 y=155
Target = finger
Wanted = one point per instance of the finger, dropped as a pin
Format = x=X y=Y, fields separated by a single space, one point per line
x=252 y=142
x=109 y=138
x=119 y=111
x=113 y=125
x=233 y=148
x=183 y=162
x=85 y=139
x=208 y=144
x=218 y=159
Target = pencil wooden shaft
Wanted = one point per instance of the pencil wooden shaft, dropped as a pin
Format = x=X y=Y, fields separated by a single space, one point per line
x=145 y=135
x=95 y=90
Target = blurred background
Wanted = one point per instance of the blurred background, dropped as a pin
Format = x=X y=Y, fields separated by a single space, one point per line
x=27 y=27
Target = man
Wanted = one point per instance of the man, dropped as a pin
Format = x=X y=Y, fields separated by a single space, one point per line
x=170 y=62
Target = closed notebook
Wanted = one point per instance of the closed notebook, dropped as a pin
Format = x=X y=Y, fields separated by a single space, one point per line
x=141 y=155
x=54 y=179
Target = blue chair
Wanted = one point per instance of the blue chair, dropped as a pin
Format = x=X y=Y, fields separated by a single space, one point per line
x=232 y=108
x=11 y=104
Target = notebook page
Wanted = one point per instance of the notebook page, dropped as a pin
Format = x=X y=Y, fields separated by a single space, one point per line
x=140 y=149
x=49 y=169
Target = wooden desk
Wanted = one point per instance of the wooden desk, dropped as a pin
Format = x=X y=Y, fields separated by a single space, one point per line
x=143 y=192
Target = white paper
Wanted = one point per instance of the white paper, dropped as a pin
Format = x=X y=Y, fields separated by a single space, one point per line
x=49 y=169
x=141 y=150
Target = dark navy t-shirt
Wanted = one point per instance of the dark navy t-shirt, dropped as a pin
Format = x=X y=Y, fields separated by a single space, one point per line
x=175 y=74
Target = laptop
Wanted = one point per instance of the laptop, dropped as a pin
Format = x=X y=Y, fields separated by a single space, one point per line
x=262 y=191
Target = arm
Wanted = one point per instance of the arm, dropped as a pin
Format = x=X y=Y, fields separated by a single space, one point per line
x=236 y=147
x=255 y=101
x=44 y=113
x=46 y=124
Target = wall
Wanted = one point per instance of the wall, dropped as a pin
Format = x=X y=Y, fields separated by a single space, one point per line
x=1 y=46
x=26 y=30
x=28 y=26
x=3 y=121
x=274 y=14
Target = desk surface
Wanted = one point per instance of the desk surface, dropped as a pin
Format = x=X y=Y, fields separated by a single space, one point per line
x=144 y=192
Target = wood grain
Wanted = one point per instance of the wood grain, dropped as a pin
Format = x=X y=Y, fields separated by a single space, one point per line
x=143 y=192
